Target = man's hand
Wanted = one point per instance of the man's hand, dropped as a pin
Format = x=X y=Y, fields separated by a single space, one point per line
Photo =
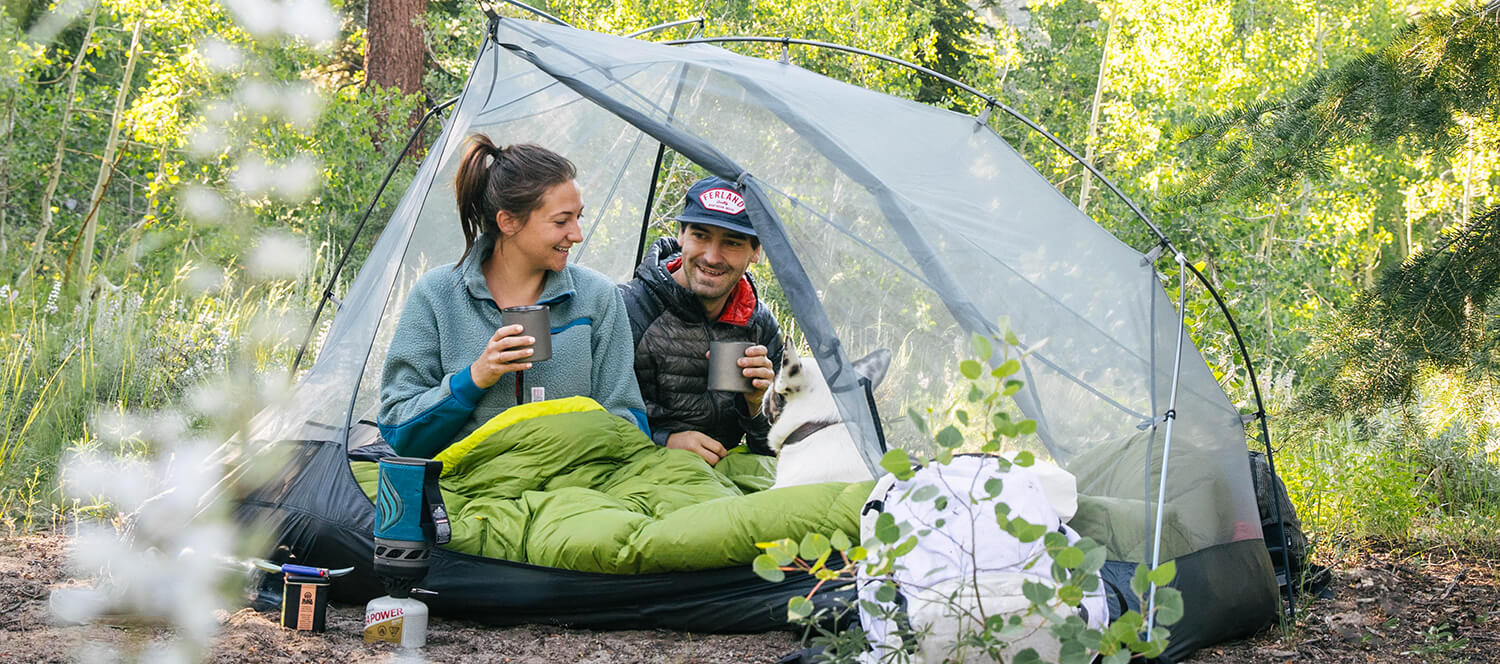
x=756 y=365
x=698 y=443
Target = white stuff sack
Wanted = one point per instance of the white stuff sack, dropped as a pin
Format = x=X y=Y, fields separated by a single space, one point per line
x=936 y=581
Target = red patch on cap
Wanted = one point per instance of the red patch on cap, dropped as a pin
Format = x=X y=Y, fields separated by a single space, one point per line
x=723 y=200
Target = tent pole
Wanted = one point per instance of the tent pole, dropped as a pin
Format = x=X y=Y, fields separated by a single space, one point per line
x=1166 y=447
x=640 y=247
x=537 y=12
x=349 y=249
x=661 y=152
x=664 y=26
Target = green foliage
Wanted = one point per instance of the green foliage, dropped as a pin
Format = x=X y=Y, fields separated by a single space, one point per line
x=1420 y=86
x=1436 y=310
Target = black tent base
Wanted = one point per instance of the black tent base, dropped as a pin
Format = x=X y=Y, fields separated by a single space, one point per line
x=318 y=515
x=330 y=524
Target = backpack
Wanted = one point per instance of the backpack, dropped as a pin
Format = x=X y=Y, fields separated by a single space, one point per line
x=936 y=596
x=1270 y=493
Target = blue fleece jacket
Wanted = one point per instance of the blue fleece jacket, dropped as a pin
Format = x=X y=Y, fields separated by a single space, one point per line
x=427 y=398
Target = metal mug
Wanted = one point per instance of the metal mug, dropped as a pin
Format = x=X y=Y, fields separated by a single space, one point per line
x=724 y=372
x=535 y=322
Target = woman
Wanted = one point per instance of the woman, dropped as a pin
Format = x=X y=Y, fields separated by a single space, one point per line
x=451 y=366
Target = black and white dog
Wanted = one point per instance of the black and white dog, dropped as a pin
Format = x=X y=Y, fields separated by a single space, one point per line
x=811 y=442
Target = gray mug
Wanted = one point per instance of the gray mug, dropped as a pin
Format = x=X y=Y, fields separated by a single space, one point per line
x=724 y=372
x=535 y=322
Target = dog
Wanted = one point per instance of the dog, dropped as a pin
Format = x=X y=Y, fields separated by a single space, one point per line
x=811 y=442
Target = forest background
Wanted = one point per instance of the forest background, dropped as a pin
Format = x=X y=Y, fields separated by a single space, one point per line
x=178 y=182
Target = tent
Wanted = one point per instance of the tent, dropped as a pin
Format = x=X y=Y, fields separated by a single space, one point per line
x=888 y=223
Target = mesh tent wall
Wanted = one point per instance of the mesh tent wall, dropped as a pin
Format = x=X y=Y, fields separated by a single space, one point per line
x=887 y=223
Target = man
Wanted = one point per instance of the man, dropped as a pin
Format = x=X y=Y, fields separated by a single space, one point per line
x=691 y=290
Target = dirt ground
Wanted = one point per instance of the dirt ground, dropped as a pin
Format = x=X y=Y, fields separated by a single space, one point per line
x=1435 y=606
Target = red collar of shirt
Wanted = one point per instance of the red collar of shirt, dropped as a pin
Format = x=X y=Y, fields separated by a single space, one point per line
x=741 y=303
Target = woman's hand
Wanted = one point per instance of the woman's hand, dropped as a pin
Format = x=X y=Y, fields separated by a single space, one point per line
x=503 y=354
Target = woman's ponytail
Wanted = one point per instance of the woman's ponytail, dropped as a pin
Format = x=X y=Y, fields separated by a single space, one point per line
x=513 y=178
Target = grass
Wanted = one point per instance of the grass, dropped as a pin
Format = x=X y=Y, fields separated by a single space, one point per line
x=66 y=366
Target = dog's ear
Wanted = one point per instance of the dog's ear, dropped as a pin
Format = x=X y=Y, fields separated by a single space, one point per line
x=874 y=366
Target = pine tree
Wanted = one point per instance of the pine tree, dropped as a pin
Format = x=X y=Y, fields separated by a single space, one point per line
x=1416 y=88
x=1437 y=309
x=953 y=51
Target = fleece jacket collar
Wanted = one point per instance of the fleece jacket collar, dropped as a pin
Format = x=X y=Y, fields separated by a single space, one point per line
x=556 y=286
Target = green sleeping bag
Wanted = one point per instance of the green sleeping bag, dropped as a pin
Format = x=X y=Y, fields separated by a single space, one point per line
x=565 y=483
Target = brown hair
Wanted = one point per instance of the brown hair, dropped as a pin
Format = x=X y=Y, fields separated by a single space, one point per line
x=512 y=178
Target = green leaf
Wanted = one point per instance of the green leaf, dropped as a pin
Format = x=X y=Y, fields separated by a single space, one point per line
x=897 y=463
x=1071 y=557
x=1026 y=428
x=766 y=568
x=1011 y=338
x=1024 y=459
x=1168 y=606
x=1027 y=656
x=839 y=541
x=962 y=416
x=993 y=486
x=906 y=547
x=1116 y=657
x=940 y=504
x=1094 y=555
x=885 y=528
x=886 y=593
x=1055 y=541
x=975 y=394
x=924 y=493
x=1025 y=531
x=1138 y=583
x=784 y=551
x=982 y=347
x=944 y=455
x=858 y=553
x=1073 y=652
x=1036 y=593
x=970 y=369
x=1070 y=595
x=1006 y=369
x=1012 y=387
x=798 y=608
x=813 y=546
x=1163 y=575
x=917 y=419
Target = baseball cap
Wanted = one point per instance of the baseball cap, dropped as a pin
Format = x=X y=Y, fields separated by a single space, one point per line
x=716 y=202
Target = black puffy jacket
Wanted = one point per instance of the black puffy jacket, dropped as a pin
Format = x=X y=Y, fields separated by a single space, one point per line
x=672 y=334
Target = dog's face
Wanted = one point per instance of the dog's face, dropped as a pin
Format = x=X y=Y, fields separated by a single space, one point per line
x=801 y=383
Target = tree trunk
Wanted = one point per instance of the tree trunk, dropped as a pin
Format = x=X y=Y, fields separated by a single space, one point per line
x=394 y=51
x=55 y=172
x=107 y=162
x=1091 y=138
